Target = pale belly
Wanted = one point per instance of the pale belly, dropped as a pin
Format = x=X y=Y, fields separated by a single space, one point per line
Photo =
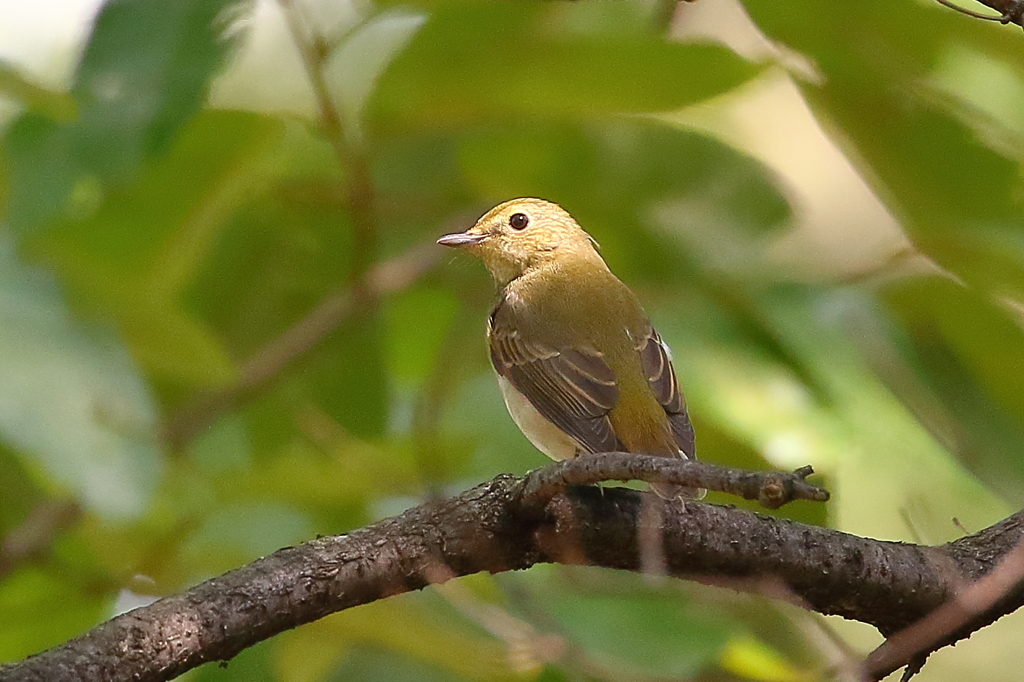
x=544 y=435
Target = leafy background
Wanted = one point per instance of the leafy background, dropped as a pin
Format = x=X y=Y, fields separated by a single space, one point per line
x=224 y=327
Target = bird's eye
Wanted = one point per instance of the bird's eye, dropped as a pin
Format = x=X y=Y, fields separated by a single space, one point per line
x=519 y=221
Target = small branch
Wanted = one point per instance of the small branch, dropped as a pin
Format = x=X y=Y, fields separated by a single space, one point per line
x=1010 y=11
x=360 y=193
x=771 y=488
x=269 y=361
x=954 y=620
x=488 y=528
x=34 y=536
x=366 y=283
x=314 y=51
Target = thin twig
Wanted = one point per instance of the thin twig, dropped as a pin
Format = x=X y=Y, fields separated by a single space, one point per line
x=36 y=533
x=315 y=51
x=1010 y=11
x=366 y=283
x=771 y=488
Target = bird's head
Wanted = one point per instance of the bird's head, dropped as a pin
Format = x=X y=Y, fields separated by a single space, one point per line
x=521 y=234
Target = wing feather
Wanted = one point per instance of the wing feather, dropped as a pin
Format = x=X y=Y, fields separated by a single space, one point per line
x=571 y=387
x=575 y=390
x=656 y=361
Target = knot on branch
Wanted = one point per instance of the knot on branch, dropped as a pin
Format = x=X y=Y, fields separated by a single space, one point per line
x=771 y=489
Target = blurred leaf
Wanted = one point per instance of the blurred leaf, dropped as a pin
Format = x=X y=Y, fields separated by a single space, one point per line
x=239 y=533
x=348 y=376
x=644 y=189
x=224 y=447
x=989 y=90
x=521 y=68
x=18 y=490
x=330 y=478
x=72 y=401
x=969 y=352
x=140 y=249
x=651 y=636
x=40 y=608
x=40 y=155
x=55 y=105
x=355 y=67
x=144 y=72
x=373 y=664
x=419 y=628
x=551 y=673
x=254 y=664
x=752 y=659
x=477 y=418
x=875 y=89
x=868 y=431
x=417 y=322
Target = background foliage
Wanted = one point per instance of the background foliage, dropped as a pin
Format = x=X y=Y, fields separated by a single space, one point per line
x=224 y=327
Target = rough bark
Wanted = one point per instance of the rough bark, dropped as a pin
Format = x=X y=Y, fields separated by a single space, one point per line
x=497 y=527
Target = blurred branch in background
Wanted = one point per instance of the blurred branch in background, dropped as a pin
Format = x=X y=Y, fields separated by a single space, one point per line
x=268 y=362
x=367 y=283
x=33 y=539
x=342 y=136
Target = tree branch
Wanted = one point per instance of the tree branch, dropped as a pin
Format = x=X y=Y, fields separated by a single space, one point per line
x=497 y=527
x=771 y=489
x=1010 y=11
x=349 y=149
x=974 y=606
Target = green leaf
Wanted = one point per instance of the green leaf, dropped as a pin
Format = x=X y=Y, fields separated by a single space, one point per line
x=18 y=490
x=752 y=659
x=968 y=351
x=145 y=71
x=348 y=377
x=651 y=635
x=237 y=533
x=502 y=61
x=72 y=402
x=253 y=664
x=41 y=607
x=417 y=322
x=434 y=640
x=13 y=84
x=142 y=249
x=42 y=166
x=355 y=67
x=376 y=664
x=955 y=192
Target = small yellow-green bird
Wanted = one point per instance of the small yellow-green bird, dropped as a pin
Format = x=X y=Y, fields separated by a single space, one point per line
x=580 y=366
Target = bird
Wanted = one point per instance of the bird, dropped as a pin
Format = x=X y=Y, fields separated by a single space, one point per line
x=580 y=366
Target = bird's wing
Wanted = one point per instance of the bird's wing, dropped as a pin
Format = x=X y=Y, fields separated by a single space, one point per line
x=657 y=366
x=571 y=387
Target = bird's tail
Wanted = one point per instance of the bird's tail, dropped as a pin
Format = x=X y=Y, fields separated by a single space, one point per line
x=669 y=491
x=678 y=492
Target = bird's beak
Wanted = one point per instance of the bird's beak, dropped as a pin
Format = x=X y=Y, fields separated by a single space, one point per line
x=461 y=239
